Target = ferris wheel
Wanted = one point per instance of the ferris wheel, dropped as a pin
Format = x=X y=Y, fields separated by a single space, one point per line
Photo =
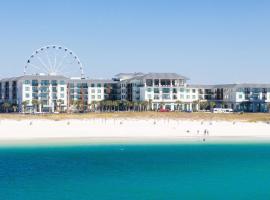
x=54 y=60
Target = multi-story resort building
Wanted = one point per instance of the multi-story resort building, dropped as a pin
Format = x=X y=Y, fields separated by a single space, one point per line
x=170 y=91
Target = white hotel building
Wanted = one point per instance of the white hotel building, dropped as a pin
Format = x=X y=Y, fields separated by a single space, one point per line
x=161 y=90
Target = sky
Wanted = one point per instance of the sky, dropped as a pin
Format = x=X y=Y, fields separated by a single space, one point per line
x=207 y=41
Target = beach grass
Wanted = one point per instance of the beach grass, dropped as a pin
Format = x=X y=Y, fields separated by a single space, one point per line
x=245 y=117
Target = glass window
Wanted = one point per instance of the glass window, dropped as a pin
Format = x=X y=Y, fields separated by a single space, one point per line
x=149 y=82
x=149 y=96
x=149 y=89
x=181 y=96
x=193 y=96
x=193 y=90
x=27 y=89
x=27 y=95
x=27 y=82
x=174 y=90
x=166 y=90
x=156 y=90
x=156 y=96
x=45 y=82
x=34 y=82
x=156 y=81
x=188 y=90
x=62 y=82
x=62 y=89
x=93 y=96
x=54 y=96
x=54 y=89
x=166 y=96
x=188 y=96
x=99 y=91
x=99 y=85
x=99 y=96
x=54 y=82
x=62 y=95
x=92 y=85
x=93 y=91
x=182 y=90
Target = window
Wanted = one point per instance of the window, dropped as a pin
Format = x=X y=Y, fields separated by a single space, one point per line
x=174 y=90
x=182 y=90
x=174 y=97
x=156 y=82
x=166 y=96
x=54 y=82
x=54 y=96
x=62 y=95
x=99 y=96
x=188 y=90
x=188 y=96
x=149 y=89
x=166 y=90
x=193 y=91
x=93 y=91
x=62 y=89
x=149 y=82
x=99 y=91
x=182 y=96
x=27 y=89
x=156 y=90
x=93 y=96
x=240 y=96
x=45 y=82
x=54 y=89
x=27 y=82
x=44 y=89
x=34 y=82
x=27 y=95
x=63 y=83
x=99 y=85
x=149 y=96
x=193 y=96
x=92 y=85
x=156 y=96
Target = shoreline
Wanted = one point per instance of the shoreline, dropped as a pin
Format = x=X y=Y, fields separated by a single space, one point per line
x=130 y=131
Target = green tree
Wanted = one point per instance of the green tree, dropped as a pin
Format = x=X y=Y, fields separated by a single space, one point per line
x=24 y=105
x=178 y=103
x=6 y=106
x=203 y=105
x=212 y=104
x=35 y=104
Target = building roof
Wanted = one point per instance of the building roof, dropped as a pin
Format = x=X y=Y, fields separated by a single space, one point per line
x=235 y=85
x=163 y=76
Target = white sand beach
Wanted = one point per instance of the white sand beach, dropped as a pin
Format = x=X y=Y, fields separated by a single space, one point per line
x=129 y=130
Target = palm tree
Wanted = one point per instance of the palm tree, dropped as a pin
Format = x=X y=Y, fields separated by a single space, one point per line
x=196 y=103
x=203 y=105
x=150 y=104
x=35 y=104
x=6 y=106
x=212 y=104
x=24 y=104
x=268 y=106
x=59 y=102
x=14 y=107
x=178 y=103
x=118 y=103
x=93 y=105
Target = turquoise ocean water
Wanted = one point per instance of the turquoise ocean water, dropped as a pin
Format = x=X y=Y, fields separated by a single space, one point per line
x=184 y=171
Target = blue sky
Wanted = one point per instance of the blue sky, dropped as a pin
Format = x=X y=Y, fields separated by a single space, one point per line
x=208 y=41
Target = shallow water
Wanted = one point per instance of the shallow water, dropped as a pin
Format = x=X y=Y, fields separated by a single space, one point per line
x=184 y=171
